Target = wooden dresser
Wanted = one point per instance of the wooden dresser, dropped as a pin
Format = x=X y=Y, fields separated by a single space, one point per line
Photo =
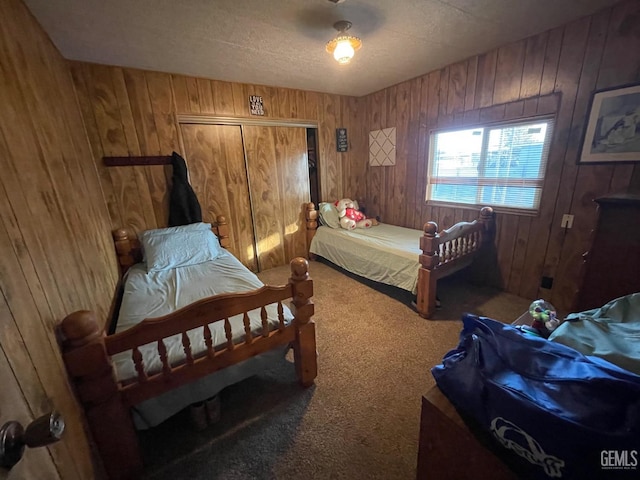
x=612 y=264
x=448 y=450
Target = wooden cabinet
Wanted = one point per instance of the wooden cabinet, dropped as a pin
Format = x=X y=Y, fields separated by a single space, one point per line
x=448 y=450
x=612 y=264
x=258 y=176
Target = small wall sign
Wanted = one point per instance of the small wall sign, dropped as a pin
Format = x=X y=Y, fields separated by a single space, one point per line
x=255 y=105
x=342 y=144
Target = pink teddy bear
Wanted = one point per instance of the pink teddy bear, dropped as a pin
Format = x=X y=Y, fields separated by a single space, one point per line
x=350 y=216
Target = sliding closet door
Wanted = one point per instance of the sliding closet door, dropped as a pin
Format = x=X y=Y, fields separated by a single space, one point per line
x=215 y=158
x=278 y=175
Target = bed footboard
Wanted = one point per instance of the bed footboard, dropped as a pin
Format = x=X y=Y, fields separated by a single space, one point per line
x=449 y=251
x=87 y=355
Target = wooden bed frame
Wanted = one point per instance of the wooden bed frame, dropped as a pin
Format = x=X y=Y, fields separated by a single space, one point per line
x=87 y=351
x=443 y=253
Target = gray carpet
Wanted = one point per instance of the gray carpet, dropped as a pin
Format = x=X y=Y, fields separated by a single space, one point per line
x=361 y=418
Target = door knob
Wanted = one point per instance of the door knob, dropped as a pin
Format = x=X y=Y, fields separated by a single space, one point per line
x=14 y=438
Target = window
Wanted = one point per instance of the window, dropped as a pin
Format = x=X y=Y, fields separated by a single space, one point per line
x=500 y=165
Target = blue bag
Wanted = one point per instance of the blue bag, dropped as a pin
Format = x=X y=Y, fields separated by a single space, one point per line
x=548 y=410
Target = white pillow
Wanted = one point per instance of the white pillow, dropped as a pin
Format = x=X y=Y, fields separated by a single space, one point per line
x=164 y=251
x=182 y=228
x=191 y=227
x=328 y=215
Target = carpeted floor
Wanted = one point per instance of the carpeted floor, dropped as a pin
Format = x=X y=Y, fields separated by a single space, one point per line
x=361 y=418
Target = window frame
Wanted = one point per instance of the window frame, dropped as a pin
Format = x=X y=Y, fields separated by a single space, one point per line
x=551 y=117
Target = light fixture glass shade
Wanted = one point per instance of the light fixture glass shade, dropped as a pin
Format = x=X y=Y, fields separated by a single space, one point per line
x=343 y=48
x=344 y=51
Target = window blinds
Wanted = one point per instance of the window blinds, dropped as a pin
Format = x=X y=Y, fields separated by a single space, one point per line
x=500 y=165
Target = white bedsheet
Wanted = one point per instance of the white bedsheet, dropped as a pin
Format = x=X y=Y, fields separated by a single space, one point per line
x=157 y=294
x=383 y=253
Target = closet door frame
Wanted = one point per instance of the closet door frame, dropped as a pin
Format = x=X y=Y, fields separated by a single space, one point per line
x=215 y=120
x=184 y=119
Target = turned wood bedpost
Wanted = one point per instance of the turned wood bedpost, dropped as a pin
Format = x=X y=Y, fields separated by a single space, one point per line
x=304 y=347
x=222 y=227
x=122 y=241
x=483 y=270
x=91 y=372
x=429 y=260
x=489 y=225
x=311 y=217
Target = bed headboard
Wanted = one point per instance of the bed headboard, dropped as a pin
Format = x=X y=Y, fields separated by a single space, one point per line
x=129 y=250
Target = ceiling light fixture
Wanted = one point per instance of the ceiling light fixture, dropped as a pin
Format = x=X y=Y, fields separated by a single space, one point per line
x=344 y=46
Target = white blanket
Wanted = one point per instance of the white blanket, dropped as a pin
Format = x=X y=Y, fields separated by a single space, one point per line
x=157 y=294
x=383 y=253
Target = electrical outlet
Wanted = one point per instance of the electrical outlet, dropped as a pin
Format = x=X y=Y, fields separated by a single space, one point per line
x=567 y=221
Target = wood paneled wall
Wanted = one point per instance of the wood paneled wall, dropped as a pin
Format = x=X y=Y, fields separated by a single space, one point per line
x=56 y=207
x=132 y=112
x=55 y=250
x=599 y=51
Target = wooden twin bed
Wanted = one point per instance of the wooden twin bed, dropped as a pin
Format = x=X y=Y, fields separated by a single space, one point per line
x=410 y=259
x=217 y=333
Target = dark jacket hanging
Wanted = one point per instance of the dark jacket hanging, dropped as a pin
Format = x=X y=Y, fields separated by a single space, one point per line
x=183 y=204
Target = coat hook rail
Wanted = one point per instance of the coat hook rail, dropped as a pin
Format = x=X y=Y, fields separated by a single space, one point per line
x=132 y=161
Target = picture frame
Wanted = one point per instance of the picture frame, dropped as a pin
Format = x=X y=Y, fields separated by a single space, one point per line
x=612 y=133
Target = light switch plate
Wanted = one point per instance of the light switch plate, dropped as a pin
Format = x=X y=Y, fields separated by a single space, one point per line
x=567 y=221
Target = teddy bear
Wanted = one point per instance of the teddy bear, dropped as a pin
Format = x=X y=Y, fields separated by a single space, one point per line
x=350 y=216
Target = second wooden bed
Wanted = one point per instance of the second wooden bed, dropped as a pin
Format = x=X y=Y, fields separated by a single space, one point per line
x=410 y=259
x=211 y=335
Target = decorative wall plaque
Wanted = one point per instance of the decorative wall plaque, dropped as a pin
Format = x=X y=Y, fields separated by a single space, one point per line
x=255 y=105
x=342 y=145
x=382 y=147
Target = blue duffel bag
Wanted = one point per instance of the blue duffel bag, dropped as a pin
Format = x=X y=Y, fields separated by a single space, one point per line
x=546 y=409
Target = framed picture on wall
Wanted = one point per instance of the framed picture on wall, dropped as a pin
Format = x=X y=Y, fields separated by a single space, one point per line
x=613 y=126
